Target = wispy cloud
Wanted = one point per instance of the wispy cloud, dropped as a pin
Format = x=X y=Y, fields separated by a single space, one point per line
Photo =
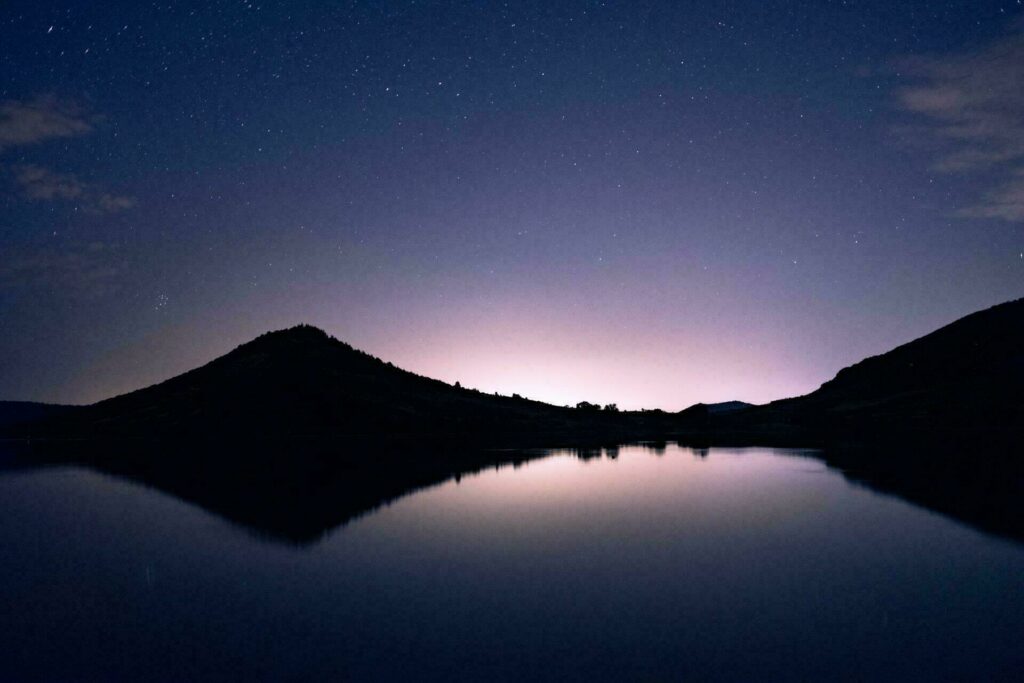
x=1006 y=201
x=972 y=108
x=37 y=182
x=89 y=271
x=32 y=122
x=41 y=184
x=43 y=118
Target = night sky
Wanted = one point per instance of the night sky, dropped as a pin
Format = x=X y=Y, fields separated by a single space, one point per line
x=648 y=203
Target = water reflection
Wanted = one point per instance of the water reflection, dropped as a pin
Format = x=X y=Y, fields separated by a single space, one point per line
x=297 y=492
x=646 y=561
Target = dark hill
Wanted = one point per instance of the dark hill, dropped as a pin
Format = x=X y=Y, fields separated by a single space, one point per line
x=966 y=378
x=302 y=382
x=727 y=407
x=701 y=411
x=14 y=413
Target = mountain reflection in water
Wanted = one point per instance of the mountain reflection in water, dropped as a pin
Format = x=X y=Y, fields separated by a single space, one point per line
x=298 y=491
x=650 y=561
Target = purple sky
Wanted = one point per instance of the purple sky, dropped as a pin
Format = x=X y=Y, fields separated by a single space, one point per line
x=649 y=203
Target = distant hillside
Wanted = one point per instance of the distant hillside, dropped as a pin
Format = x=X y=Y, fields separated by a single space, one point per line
x=727 y=407
x=302 y=382
x=703 y=410
x=965 y=378
x=20 y=412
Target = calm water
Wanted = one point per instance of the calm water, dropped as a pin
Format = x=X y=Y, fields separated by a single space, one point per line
x=750 y=564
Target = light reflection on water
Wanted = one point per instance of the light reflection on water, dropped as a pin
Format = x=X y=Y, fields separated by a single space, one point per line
x=637 y=563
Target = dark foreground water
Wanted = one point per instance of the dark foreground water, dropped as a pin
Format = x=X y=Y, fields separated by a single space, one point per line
x=743 y=565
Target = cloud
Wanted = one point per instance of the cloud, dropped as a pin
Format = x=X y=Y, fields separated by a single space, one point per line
x=112 y=203
x=41 y=184
x=89 y=271
x=972 y=109
x=1006 y=202
x=30 y=122
x=38 y=120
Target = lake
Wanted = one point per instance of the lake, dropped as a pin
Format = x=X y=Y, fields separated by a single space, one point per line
x=635 y=563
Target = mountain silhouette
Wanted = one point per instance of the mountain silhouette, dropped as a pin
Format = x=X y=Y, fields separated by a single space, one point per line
x=965 y=379
x=962 y=379
x=18 y=412
x=302 y=382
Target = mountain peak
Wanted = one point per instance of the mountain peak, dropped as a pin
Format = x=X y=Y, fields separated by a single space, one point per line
x=300 y=331
x=297 y=334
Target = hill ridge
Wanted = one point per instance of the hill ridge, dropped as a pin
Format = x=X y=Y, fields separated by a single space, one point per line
x=301 y=381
